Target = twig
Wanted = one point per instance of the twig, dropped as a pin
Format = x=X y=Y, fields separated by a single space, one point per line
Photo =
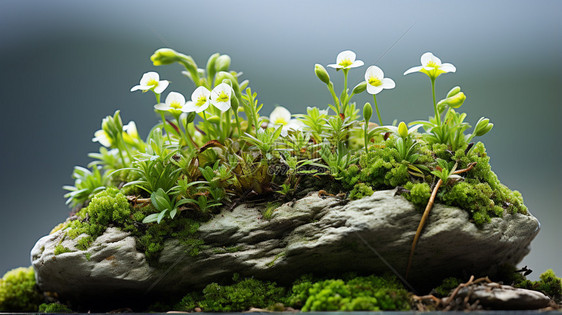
x=426 y=214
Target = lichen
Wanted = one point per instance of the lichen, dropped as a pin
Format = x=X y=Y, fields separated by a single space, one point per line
x=18 y=292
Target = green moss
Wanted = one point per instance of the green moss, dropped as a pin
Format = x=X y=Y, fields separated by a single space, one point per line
x=357 y=294
x=54 y=308
x=237 y=297
x=59 y=249
x=548 y=284
x=18 y=292
x=108 y=207
x=269 y=209
x=419 y=193
x=360 y=190
x=446 y=286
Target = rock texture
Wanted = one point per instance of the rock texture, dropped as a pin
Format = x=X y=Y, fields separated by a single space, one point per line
x=496 y=296
x=313 y=234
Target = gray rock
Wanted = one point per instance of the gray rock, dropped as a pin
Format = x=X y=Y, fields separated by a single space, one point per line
x=313 y=234
x=496 y=296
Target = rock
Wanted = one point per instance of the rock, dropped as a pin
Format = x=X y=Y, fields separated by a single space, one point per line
x=496 y=296
x=313 y=234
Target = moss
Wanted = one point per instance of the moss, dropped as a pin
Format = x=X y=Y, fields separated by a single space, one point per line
x=446 y=286
x=548 y=284
x=18 y=292
x=269 y=209
x=357 y=294
x=108 y=207
x=360 y=190
x=237 y=297
x=419 y=193
x=54 y=308
x=59 y=249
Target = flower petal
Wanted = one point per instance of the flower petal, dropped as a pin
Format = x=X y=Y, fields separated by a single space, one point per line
x=371 y=89
x=162 y=85
x=335 y=66
x=200 y=91
x=280 y=113
x=388 y=83
x=346 y=54
x=357 y=63
x=136 y=88
x=190 y=107
x=413 y=69
x=223 y=106
x=374 y=71
x=148 y=77
x=162 y=107
x=429 y=57
x=447 y=67
x=175 y=97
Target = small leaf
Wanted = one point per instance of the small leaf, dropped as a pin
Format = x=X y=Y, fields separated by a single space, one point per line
x=161 y=216
x=150 y=218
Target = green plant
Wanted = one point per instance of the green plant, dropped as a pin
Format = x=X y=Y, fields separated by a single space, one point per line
x=86 y=184
x=54 y=308
x=18 y=292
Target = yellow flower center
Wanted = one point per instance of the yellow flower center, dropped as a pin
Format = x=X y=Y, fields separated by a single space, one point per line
x=175 y=105
x=201 y=100
x=346 y=63
x=152 y=82
x=374 y=81
x=280 y=121
x=432 y=64
x=223 y=97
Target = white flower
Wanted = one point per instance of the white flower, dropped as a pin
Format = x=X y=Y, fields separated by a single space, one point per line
x=432 y=66
x=281 y=116
x=220 y=96
x=102 y=137
x=346 y=60
x=151 y=81
x=376 y=81
x=130 y=133
x=175 y=103
x=199 y=100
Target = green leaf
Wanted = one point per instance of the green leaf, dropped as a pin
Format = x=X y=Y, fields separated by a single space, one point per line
x=161 y=216
x=150 y=218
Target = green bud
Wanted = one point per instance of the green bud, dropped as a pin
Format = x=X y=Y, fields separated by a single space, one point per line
x=321 y=73
x=454 y=91
x=166 y=56
x=483 y=126
x=454 y=101
x=234 y=103
x=403 y=130
x=360 y=88
x=367 y=111
x=211 y=65
x=222 y=63
x=189 y=118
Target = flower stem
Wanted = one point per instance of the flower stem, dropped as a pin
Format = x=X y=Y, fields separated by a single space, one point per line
x=377 y=108
x=336 y=101
x=344 y=104
x=366 y=136
x=437 y=116
x=164 y=126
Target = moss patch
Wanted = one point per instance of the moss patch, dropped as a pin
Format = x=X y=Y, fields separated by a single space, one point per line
x=18 y=292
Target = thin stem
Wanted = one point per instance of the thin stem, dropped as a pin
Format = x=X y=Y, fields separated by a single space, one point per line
x=437 y=116
x=366 y=136
x=334 y=96
x=164 y=126
x=377 y=108
x=344 y=105
x=238 y=124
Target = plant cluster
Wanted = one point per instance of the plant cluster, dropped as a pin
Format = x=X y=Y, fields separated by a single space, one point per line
x=217 y=149
x=18 y=292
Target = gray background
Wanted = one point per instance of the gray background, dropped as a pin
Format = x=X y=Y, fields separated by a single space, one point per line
x=64 y=65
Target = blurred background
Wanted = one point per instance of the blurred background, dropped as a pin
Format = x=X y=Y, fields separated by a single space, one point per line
x=64 y=65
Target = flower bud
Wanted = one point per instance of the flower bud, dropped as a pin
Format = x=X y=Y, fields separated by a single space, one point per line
x=166 y=56
x=454 y=91
x=367 y=111
x=402 y=130
x=211 y=65
x=483 y=127
x=222 y=63
x=322 y=74
x=454 y=99
x=360 y=88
